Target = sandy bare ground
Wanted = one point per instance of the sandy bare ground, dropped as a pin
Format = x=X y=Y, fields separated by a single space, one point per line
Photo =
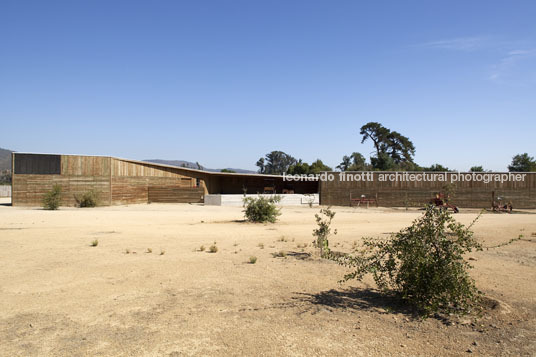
x=62 y=297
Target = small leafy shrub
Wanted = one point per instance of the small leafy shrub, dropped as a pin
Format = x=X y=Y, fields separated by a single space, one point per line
x=213 y=248
x=252 y=260
x=149 y=250
x=87 y=199
x=321 y=234
x=422 y=263
x=202 y=248
x=95 y=243
x=52 y=199
x=261 y=209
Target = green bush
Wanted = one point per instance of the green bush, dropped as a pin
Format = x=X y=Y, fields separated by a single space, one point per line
x=422 y=263
x=87 y=199
x=52 y=199
x=261 y=209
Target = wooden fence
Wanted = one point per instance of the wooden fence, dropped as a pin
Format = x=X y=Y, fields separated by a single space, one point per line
x=176 y=194
x=393 y=192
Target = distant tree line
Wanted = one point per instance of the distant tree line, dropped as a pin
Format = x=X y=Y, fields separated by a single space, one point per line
x=393 y=152
x=278 y=163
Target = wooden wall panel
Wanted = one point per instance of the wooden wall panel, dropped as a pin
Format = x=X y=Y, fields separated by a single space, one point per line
x=131 y=169
x=85 y=165
x=130 y=190
x=175 y=194
x=28 y=190
x=400 y=193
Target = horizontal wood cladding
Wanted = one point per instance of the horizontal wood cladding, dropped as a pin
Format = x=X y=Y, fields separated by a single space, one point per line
x=175 y=194
x=28 y=190
x=85 y=165
x=130 y=190
x=475 y=194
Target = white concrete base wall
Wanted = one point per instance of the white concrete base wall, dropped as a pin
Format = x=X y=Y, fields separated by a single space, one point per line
x=5 y=191
x=286 y=200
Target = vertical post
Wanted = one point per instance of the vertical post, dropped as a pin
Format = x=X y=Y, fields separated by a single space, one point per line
x=12 y=175
x=110 y=177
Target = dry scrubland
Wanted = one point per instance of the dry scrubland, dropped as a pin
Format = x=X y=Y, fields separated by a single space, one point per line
x=61 y=296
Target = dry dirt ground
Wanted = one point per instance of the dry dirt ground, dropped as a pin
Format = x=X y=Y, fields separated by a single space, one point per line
x=62 y=297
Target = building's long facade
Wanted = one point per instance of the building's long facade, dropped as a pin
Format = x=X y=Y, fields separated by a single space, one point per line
x=122 y=181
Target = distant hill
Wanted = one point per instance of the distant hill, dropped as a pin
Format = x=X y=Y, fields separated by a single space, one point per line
x=193 y=165
x=5 y=159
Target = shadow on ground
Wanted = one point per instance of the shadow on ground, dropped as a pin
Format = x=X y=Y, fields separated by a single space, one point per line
x=356 y=299
x=299 y=255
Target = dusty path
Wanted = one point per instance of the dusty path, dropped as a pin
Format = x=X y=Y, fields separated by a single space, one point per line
x=60 y=296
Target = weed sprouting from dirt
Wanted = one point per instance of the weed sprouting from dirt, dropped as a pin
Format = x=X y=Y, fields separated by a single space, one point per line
x=95 y=243
x=252 y=260
x=280 y=254
x=323 y=220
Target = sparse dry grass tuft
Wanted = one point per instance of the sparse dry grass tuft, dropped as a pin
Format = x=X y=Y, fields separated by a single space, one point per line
x=280 y=254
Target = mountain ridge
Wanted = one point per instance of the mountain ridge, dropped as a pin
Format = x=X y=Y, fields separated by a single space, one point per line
x=5 y=159
x=195 y=165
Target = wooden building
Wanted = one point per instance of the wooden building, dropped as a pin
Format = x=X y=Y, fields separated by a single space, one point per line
x=123 y=181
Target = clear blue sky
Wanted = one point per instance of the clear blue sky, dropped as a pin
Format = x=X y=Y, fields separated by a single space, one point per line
x=224 y=82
